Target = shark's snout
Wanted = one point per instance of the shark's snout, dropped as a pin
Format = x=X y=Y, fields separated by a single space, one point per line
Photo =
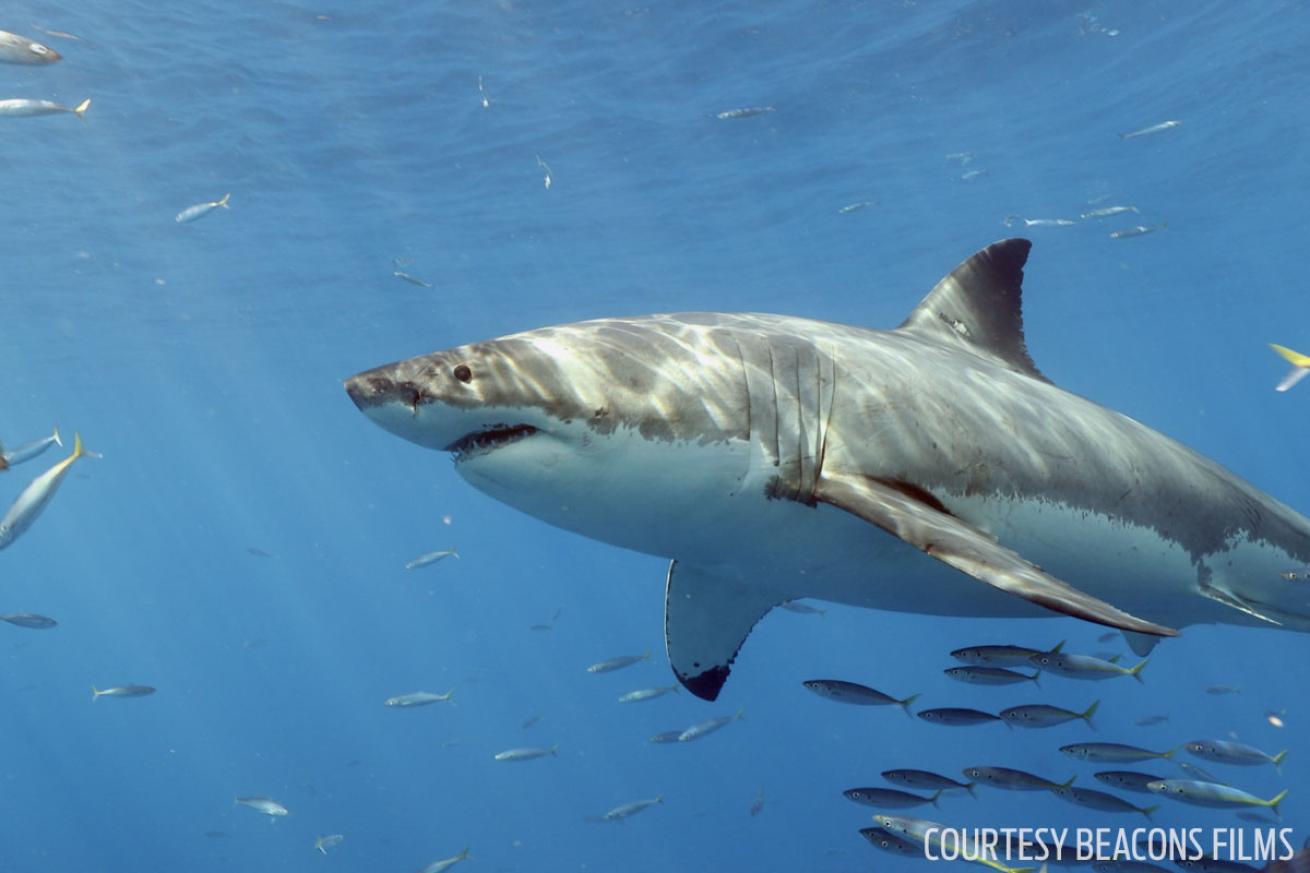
x=380 y=387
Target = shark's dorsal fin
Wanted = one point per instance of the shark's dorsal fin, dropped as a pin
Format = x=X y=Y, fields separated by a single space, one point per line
x=979 y=307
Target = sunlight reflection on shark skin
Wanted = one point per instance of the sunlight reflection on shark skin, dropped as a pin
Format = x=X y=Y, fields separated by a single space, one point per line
x=757 y=450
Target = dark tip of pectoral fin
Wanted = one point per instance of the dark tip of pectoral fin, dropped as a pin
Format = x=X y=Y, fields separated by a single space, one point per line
x=707 y=618
x=706 y=685
x=969 y=550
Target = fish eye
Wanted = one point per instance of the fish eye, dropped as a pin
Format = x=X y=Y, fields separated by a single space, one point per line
x=463 y=373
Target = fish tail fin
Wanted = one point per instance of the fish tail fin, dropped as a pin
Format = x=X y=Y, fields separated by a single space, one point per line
x=80 y=109
x=449 y=697
x=1091 y=711
x=936 y=797
x=905 y=704
x=1136 y=672
x=969 y=787
x=55 y=436
x=1149 y=811
x=78 y=450
x=1068 y=782
x=454 y=553
x=645 y=656
x=1174 y=751
x=464 y=855
x=659 y=798
x=1036 y=678
x=741 y=713
x=1296 y=359
x=1273 y=804
x=1279 y=759
x=95 y=693
x=1296 y=374
x=227 y=198
x=554 y=750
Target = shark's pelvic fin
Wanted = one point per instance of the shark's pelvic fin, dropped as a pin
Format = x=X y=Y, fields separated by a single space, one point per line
x=953 y=542
x=979 y=307
x=1141 y=644
x=706 y=619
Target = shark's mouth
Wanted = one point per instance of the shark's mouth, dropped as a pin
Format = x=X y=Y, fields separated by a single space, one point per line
x=489 y=439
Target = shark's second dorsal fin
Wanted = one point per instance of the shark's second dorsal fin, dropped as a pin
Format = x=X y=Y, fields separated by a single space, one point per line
x=979 y=307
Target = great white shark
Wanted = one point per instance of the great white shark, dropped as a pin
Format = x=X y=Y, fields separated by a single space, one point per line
x=928 y=469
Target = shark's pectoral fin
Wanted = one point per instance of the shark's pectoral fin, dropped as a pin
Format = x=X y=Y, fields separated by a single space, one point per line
x=706 y=619
x=900 y=512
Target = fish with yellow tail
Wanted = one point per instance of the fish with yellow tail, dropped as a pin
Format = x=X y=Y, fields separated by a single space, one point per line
x=19 y=107
x=1300 y=366
x=29 y=504
x=200 y=210
x=446 y=863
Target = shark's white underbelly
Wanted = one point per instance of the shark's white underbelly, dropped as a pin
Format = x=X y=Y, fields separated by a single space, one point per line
x=706 y=505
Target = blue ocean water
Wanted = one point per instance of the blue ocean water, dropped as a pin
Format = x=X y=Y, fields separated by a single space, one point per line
x=204 y=362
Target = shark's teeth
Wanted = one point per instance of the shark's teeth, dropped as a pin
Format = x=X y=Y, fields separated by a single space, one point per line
x=490 y=438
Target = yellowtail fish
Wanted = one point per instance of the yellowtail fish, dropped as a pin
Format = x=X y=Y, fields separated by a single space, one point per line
x=330 y=841
x=855 y=207
x=1137 y=230
x=1084 y=666
x=757 y=805
x=881 y=838
x=1093 y=799
x=929 y=834
x=417 y=698
x=1152 y=130
x=1127 y=780
x=1300 y=366
x=1000 y=655
x=15 y=49
x=707 y=727
x=991 y=676
x=200 y=210
x=744 y=112
x=612 y=664
x=648 y=694
x=889 y=798
x=954 y=716
x=856 y=694
x=29 y=620
x=627 y=810
x=1107 y=211
x=36 y=496
x=411 y=279
x=446 y=863
x=527 y=754
x=1012 y=780
x=20 y=108
x=265 y=805
x=121 y=691
x=1043 y=716
x=431 y=558
x=1212 y=794
x=28 y=451
x=1112 y=753
x=1225 y=752
x=925 y=779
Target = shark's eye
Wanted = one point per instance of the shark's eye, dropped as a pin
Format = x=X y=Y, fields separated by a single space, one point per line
x=463 y=373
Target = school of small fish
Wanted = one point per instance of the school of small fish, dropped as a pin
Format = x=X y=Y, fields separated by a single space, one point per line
x=994 y=665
